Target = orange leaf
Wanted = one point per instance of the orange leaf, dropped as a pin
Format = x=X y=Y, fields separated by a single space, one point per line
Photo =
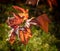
x=12 y=38
x=43 y=21
x=15 y=20
x=24 y=15
x=25 y=35
x=19 y=8
x=21 y=35
x=18 y=20
x=24 y=12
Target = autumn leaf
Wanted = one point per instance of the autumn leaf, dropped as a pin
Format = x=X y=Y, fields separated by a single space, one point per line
x=52 y=2
x=17 y=20
x=25 y=35
x=43 y=22
x=24 y=12
x=21 y=35
x=12 y=38
x=19 y=8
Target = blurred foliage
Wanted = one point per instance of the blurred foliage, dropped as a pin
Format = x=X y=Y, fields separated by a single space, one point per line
x=40 y=41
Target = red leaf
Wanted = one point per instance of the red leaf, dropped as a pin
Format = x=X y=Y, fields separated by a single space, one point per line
x=15 y=20
x=19 y=8
x=43 y=21
x=12 y=38
x=24 y=12
x=52 y=2
x=21 y=35
x=25 y=35
x=18 y=20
